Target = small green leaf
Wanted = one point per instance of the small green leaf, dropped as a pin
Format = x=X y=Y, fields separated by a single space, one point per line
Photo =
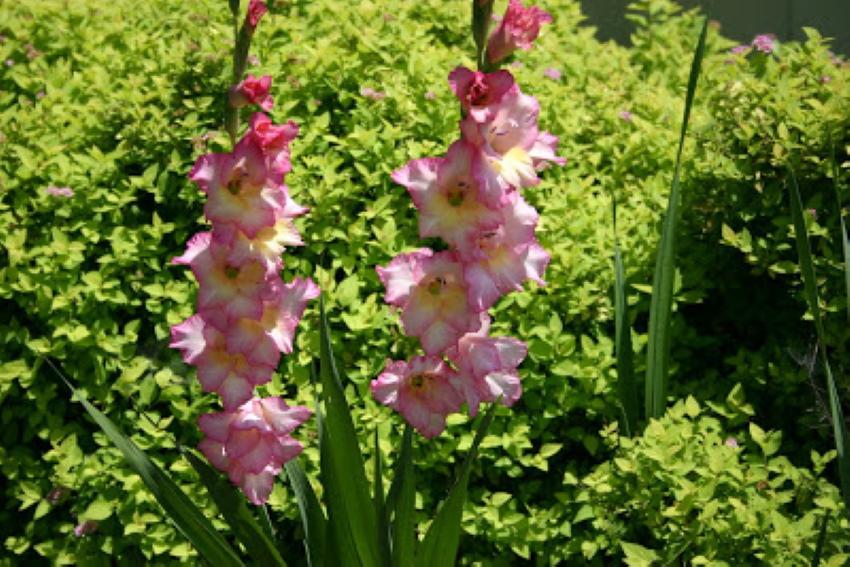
x=98 y=510
x=638 y=555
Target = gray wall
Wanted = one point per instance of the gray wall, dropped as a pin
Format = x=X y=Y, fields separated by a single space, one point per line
x=742 y=19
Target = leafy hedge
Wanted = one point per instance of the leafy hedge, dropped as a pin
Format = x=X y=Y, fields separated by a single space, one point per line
x=115 y=100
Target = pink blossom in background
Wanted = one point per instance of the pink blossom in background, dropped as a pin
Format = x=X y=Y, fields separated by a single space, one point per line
x=625 y=115
x=421 y=391
x=256 y=10
x=519 y=28
x=552 y=73
x=57 y=495
x=59 y=191
x=85 y=528
x=371 y=93
x=253 y=60
x=731 y=442
x=739 y=49
x=253 y=90
x=430 y=95
x=765 y=43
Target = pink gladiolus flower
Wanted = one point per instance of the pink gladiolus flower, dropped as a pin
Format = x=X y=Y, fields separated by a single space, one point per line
x=766 y=43
x=421 y=391
x=229 y=374
x=274 y=140
x=501 y=260
x=479 y=92
x=446 y=194
x=511 y=148
x=253 y=90
x=59 y=191
x=268 y=244
x=487 y=367
x=431 y=292
x=256 y=10
x=252 y=443
x=519 y=28
x=242 y=189
x=226 y=290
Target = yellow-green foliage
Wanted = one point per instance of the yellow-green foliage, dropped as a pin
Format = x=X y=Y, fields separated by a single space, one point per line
x=134 y=91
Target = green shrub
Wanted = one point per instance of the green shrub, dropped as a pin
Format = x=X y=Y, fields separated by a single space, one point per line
x=699 y=487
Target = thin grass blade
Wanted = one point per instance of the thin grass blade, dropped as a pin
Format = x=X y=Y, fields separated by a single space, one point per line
x=380 y=504
x=807 y=270
x=343 y=473
x=312 y=517
x=401 y=502
x=627 y=390
x=231 y=504
x=658 y=348
x=439 y=547
x=845 y=242
x=190 y=521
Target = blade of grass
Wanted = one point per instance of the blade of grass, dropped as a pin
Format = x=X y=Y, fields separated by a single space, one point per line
x=807 y=269
x=439 y=547
x=231 y=504
x=380 y=504
x=658 y=348
x=626 y=385
x=401 y=502
x=190 y=521
x=845 y=242
x=312 y=517
x=343 y=472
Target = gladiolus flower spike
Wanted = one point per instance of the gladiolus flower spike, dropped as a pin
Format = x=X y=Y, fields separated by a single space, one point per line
x=471 y=198
x=247 y=315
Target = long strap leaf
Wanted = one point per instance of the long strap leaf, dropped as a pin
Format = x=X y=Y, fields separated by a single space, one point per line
x=401 y=503
x=380 y=504
x=845 y=241
x=190 y=521
x=439 y=547
x=312 y=517
x=804 y=251
x=658 y=348
x=231 y=504
x=626 y=385
x=344 y=477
